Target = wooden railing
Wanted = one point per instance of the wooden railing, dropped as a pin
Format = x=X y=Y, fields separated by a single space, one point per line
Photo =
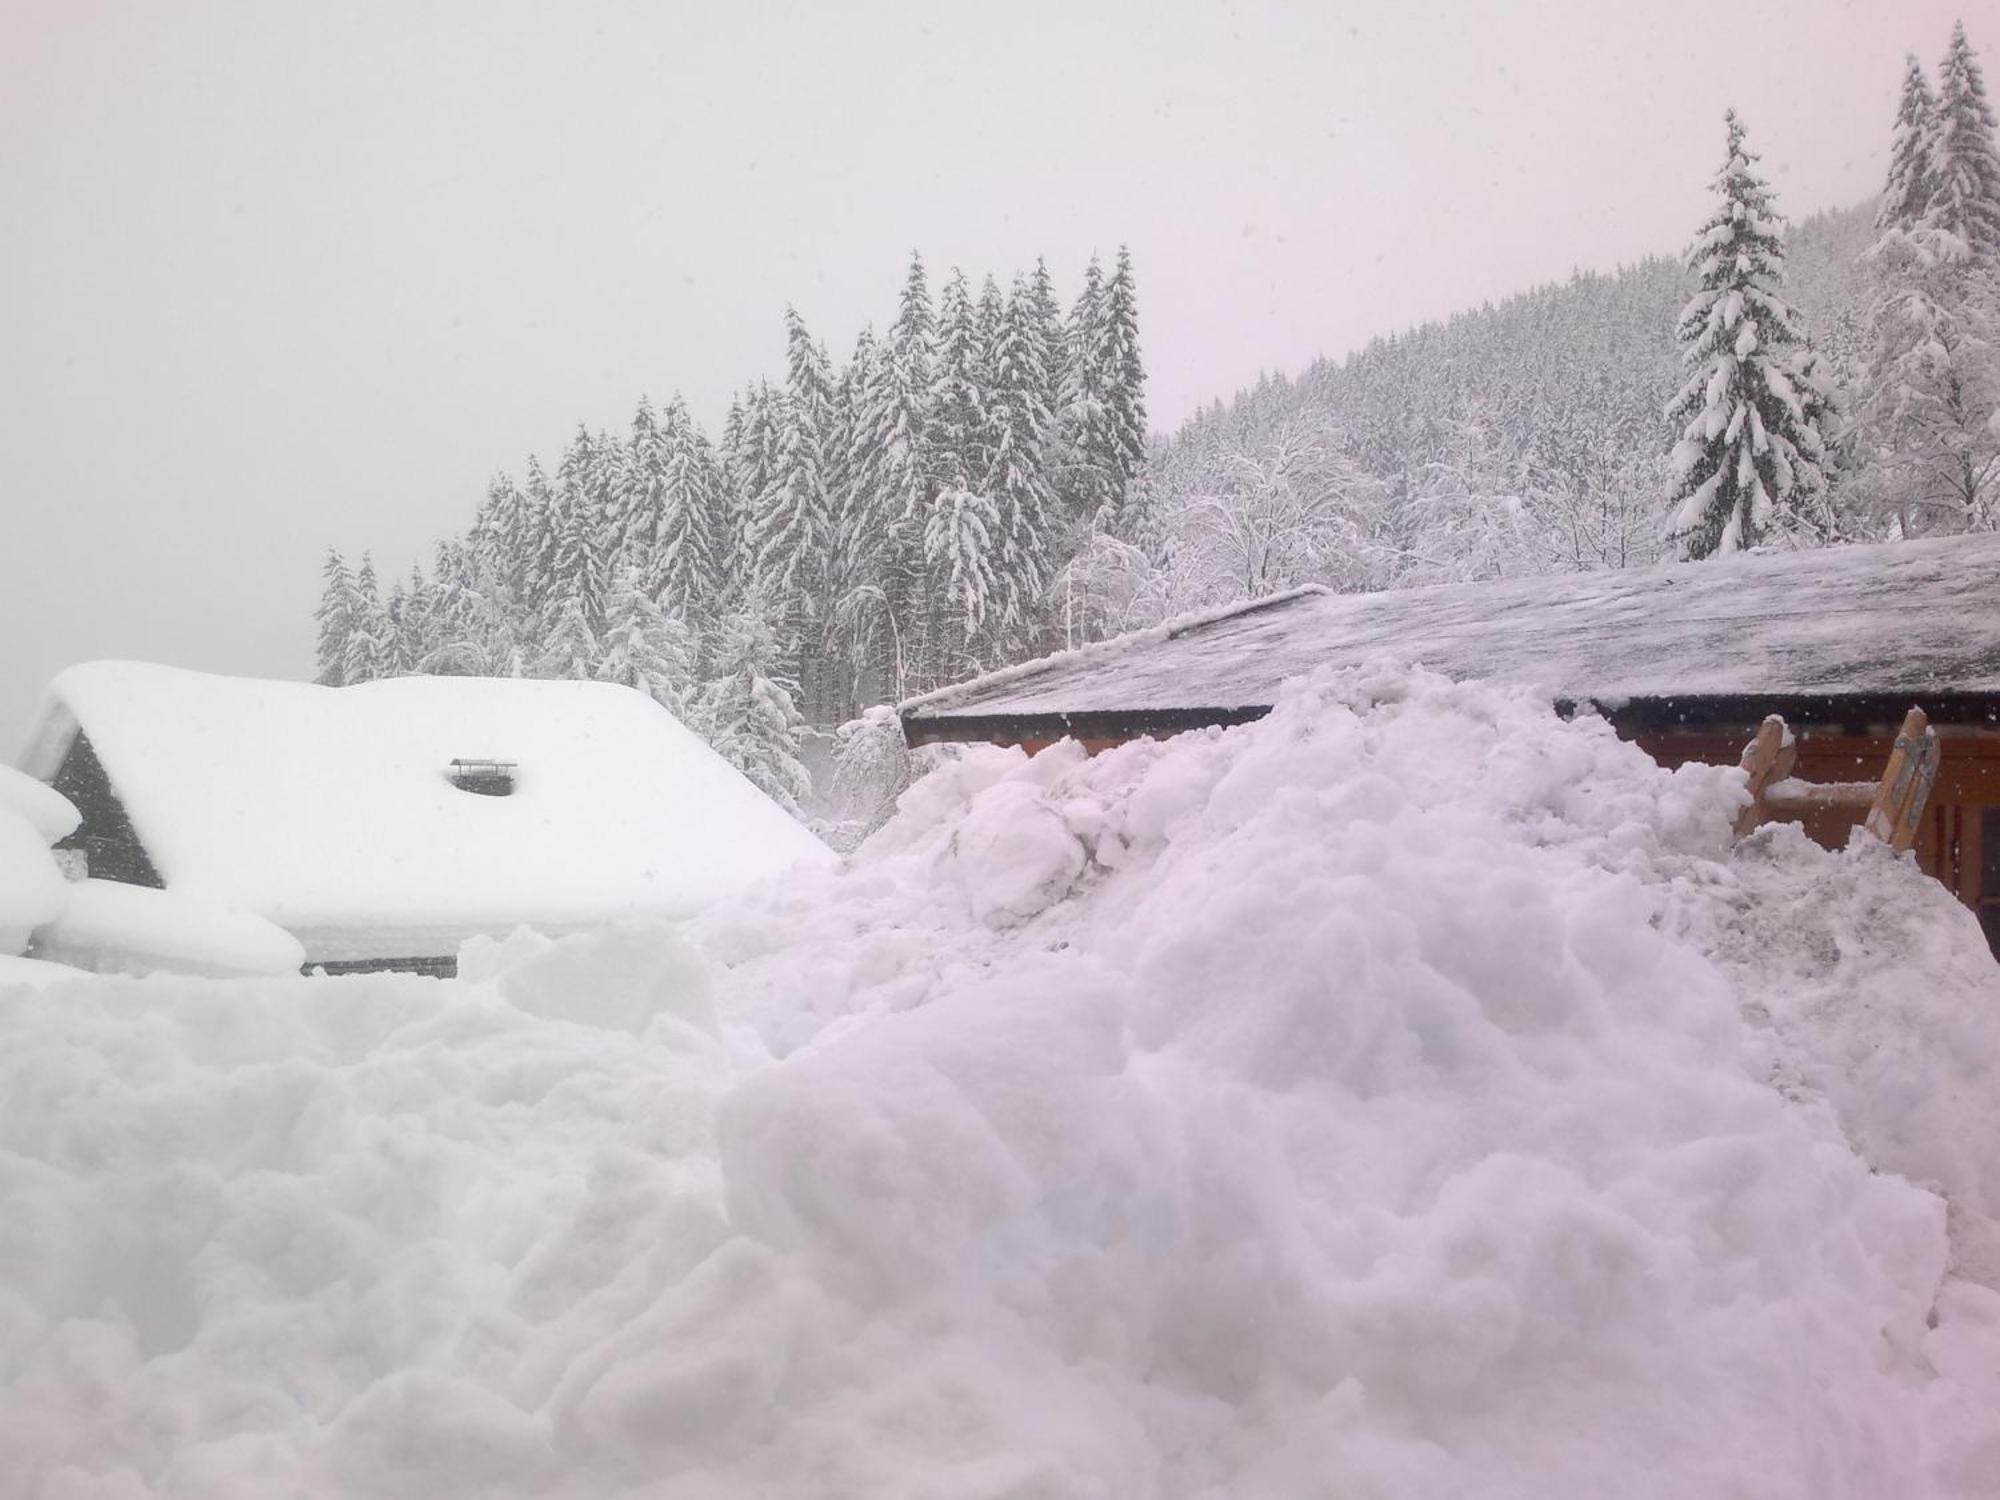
x=1895 y=804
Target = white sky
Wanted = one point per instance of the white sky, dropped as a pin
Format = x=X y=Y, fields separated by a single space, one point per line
x=275 y=276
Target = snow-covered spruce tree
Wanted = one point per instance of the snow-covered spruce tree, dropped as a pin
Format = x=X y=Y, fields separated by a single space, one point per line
x=641 y=496
x=1930 y=412
x=1907 y=193
x=1963 y=208
x=534 y=571
x=502 y=536
x=470 y=634
x=336 y=620
x=689 y=551
x=1748 y=459
x=960 y=544
x=370 y=647
x=1123 y=377
x=414 y=635
x=1017 y=423
x=580 y=547
x=956 y=420
x=569 y=646
x=880 y=600
x=1081 y=478
x=751 y=717
x=646 y=648
x=792 y=533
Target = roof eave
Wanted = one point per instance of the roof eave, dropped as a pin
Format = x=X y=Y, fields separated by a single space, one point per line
x=1652 y=713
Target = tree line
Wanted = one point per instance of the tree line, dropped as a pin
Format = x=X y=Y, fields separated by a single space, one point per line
x=858 y=533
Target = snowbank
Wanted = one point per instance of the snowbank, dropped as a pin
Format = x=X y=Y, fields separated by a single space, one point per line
x=113 y=928
x=35 y=971
x=32 y=889
x=45 y=808
x=1407 y=1095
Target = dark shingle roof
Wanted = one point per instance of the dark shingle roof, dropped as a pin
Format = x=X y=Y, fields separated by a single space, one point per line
x=1841 y=623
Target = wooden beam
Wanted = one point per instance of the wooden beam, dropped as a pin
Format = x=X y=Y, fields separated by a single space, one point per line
x=1792 y=794
x=1898 y=805
x=1767 y=759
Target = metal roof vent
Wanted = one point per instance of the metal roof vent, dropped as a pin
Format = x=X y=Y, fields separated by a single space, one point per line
x=485 y=778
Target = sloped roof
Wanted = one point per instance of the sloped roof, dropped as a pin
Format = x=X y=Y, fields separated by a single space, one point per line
x=1840 y=623
x=329 y=811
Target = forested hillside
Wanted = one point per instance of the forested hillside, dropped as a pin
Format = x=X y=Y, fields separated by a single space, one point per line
x=1527 y=437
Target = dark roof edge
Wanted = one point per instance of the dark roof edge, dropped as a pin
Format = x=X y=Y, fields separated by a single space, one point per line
x=1113 y=724
x=1706 y=712
x=1858 y=712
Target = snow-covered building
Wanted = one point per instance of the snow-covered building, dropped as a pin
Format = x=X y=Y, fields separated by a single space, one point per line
x=382 y=825
x=1685 y=659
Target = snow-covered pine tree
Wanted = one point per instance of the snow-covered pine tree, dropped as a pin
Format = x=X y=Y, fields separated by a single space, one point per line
x=752 y=720
x=646 y=648
x=370 y=638
x=793 y=538
x=690 y=548
x=1081 y=478
x=880 y=607
x=415 y=634
x=1748 y=459
x=955 y=419
x=578 y=562
x=960 y=544
x=534 y=571
x=1963 y=207
x=753 y=467
x=1016 y=439
x=502 y=535
x=570 y=647
x=899 y=430
x=1908 y=191
x=642 y=492
x=1930 y=412
x=1122 y=374
x=336 y=620
x=812 y=459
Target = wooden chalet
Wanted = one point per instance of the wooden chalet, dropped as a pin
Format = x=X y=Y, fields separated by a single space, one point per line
x=1687 y=660
x=385 y=824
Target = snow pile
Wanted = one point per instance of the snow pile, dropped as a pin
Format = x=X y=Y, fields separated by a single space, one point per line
x=44 y=808
x=1384 y=1099
x=133 y=929
x=32 y=889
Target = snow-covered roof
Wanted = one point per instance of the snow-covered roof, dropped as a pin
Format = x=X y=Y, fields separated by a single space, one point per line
x=330 y=812
x=1910 y=618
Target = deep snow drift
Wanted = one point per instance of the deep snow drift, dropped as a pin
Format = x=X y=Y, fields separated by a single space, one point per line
x=1407 y=1095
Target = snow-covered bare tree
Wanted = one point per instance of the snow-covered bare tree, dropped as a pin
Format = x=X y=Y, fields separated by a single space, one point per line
x=1289 y=509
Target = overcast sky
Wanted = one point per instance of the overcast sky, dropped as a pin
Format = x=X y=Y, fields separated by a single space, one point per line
x=278 y=276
